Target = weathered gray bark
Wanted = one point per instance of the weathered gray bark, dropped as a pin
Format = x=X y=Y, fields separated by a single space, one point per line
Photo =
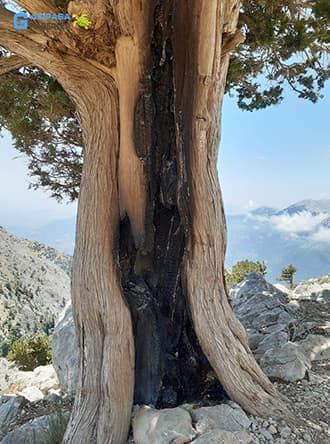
x=148 y=84
x=103 y=322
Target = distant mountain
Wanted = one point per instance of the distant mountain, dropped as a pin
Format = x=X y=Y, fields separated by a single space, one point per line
x=298 y=234
x=310 y=206
x=34 y=284
x=326 y=223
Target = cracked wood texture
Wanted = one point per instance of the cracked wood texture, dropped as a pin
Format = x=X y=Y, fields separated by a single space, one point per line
x=153 y=319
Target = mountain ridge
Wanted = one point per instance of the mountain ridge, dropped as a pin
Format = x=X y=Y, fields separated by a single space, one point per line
x=34 y=284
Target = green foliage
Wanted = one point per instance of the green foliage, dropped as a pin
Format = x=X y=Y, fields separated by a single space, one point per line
x=41 y=119
x=242 y=268
x=45 y=327
x=30 y=352
x=287 y=275
x=287 y=43
x=14 y=333
x=324 y=280
x=321 y=281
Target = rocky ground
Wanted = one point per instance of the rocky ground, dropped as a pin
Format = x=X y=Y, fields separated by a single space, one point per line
x=289 y=333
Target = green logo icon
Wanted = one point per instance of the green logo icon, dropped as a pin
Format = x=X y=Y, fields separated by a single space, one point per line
x=81 y=20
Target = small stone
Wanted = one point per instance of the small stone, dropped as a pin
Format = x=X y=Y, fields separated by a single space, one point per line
x=266 y=434
x=272 y=429
x=286 y=432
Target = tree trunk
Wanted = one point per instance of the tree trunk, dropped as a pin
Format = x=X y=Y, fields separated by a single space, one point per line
x=151 y=234
x=148 y=273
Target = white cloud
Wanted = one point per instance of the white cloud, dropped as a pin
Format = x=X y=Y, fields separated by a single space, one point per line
x=303 y=222
x=321 y=235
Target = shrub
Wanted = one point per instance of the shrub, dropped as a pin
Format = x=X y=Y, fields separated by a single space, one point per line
x=30 y=352
x=323 y=280
x=14 y=333
x=242 y=268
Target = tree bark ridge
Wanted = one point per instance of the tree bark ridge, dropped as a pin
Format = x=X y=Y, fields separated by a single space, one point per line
x=222 y=337
x=104 y=398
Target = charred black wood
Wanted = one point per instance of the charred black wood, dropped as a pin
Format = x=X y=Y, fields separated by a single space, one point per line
x=170 y=365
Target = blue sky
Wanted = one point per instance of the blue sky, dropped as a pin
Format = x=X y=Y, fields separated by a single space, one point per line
x=19 y=205
x=272 y=157
x=275 y=156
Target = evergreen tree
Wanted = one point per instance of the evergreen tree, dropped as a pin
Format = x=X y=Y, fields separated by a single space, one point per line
x=287 y=275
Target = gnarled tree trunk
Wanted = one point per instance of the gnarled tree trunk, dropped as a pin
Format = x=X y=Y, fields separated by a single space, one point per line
x=151 y=309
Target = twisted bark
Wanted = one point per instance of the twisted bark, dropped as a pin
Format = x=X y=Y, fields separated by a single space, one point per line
x=104 y=397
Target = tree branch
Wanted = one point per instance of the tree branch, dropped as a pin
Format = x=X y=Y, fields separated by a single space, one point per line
x=35 y=6
x=28 y=44
x=11 y=63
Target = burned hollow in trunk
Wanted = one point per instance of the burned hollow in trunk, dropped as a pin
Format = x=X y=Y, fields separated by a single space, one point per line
x=170 y=367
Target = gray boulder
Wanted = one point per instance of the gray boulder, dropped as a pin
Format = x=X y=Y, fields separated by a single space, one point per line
x=286 y=362
x=151 y=426
x=265 y=312
x=9 y=408
x=44 y=429
x=65 y=352
x=269 y=341
x=229 y=417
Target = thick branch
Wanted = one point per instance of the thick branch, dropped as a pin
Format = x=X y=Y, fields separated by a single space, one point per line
x=28 y=44
x=9 y=36
x=11 y=63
